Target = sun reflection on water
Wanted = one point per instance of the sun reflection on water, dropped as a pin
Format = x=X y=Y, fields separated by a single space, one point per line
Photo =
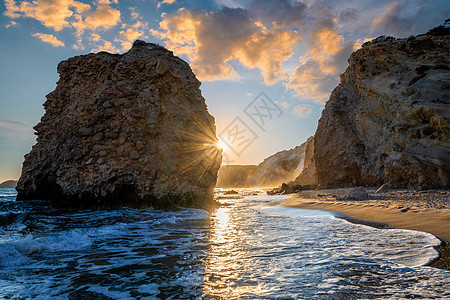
x=228 y=258
x=222 y=219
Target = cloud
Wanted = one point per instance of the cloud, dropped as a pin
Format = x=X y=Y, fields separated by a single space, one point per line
x=16 y=130
x=392 y=21
x=211 y=39
x=51 y=13
x=404 y=18
x=104 y=16
x=11 y=24
x=106 y=46
x=285 y=104
x=309 y=81
x=60 y=14
x=302 y=110
x=326 y=58
x=359 y=42
x=304 y=44
x=134 y=14
x=130 y=33
x=348 y=15
x=48 y=38
x=165 y=2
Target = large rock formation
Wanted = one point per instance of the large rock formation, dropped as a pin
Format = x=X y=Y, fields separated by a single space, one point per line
x=308 y=175
x=283 y=166
x=234 y=176
x=280 y=167
x=129 y=129
x=388 y=119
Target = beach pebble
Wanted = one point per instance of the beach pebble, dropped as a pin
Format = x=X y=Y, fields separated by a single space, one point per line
x=358 y=193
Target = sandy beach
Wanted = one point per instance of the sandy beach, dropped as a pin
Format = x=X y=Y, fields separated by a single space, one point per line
x=427 y=211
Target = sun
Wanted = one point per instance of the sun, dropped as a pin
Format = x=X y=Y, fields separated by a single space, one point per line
x=222 y=145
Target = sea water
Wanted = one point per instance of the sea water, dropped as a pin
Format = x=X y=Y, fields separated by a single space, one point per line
x=248 y=248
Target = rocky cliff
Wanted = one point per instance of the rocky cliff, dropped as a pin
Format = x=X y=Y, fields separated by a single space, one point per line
x=280 y=167
x=232 y=176
x=129 y=129
x=388 y=119
x=283 y=166
x=308 y=174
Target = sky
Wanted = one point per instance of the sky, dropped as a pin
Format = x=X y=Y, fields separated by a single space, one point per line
x=267 y=67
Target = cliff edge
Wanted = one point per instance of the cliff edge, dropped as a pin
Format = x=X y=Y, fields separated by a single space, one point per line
x=387 y=122
x=129 y=129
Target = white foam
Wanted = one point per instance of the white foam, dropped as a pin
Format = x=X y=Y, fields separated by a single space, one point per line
x=244 y=250
x=406 y=247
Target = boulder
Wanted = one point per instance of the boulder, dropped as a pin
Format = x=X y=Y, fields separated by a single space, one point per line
x=358 y=193
x=130 y=129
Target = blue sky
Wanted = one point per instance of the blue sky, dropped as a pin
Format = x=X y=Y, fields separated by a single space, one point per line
x=292 y=51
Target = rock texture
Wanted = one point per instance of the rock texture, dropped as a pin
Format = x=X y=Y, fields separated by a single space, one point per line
x=233 y=176
x=129 y=129
x=387 y=122
x=278 y=168
x=282 y=166
x=307 y=176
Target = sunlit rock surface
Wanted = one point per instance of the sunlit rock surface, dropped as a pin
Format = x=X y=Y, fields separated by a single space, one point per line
x=129 y=129
x=231 y=176
x=388 y=119
x=307 y=176
x=280 y=167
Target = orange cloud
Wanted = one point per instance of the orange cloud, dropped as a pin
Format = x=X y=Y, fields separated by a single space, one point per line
x=59 y=14
x=131 y=33
x=106 y=46
x=310 y=82
x=48 y=38
x=325 y=41
x=326 y=58
x=213 y=38
x=104 y=16
x=11 y=24
x=165 y=2
x=134 y=15
x=51 y=13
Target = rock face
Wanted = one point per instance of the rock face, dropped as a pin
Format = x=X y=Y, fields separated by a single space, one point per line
x=308 y=176
x=280 y=167
x=129 y=129
x=233 y=176
x=387 y=122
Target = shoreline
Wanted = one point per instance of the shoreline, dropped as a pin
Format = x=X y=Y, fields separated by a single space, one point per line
x=397 y=211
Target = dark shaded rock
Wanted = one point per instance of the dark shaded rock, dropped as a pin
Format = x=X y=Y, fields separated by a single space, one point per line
x=116 y=132
x=358 y=193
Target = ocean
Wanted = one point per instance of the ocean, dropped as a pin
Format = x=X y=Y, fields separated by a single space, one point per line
x=248 y=248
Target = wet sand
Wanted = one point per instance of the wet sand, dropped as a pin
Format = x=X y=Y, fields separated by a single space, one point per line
x=427 y=211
